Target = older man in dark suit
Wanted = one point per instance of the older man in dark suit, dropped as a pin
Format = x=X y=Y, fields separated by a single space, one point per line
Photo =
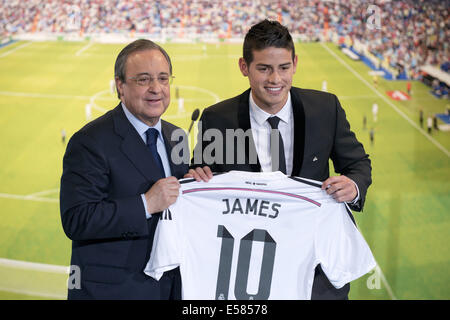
x=307 y=128
x=118 y=174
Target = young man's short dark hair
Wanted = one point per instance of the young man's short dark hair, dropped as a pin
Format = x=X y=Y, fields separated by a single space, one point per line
x=267 y=33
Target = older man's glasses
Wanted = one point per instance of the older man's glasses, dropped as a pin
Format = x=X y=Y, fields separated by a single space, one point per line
x=146 y=80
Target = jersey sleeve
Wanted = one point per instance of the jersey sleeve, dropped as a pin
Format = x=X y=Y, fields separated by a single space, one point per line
x=166 y=249
x=339 y=246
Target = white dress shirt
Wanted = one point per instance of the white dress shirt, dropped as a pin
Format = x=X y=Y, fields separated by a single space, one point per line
x=141 y=128
x=261 y=133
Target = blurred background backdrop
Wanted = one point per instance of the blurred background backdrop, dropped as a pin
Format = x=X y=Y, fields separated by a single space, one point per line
x=387 y=61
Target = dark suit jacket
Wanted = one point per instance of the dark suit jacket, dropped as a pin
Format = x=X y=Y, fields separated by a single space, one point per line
x=105 y=169
x=321 y=132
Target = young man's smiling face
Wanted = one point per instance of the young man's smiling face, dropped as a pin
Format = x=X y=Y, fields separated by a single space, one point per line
x=270 y=75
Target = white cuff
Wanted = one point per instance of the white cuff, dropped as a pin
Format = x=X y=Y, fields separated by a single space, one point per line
x=357 y=196
x=148 y=215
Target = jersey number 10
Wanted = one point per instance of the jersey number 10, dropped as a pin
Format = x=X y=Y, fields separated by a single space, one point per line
x=243 y=265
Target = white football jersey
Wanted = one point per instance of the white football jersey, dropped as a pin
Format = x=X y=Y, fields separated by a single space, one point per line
x=246 y=235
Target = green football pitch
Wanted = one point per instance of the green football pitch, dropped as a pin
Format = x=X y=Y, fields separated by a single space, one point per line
x=45 y=87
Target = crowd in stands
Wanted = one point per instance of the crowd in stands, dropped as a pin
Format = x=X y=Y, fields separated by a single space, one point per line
x=411 y=32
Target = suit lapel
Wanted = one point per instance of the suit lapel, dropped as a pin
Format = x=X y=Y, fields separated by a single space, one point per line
x=134 y=147
x=178 y=170
x=299 y=131
x=244 y=124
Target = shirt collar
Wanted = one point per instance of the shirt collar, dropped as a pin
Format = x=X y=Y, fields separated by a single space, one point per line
x=260 y=116
x=140 y=126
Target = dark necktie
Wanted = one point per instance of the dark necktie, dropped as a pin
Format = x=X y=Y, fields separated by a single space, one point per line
x=277 y=154
x=152 y=136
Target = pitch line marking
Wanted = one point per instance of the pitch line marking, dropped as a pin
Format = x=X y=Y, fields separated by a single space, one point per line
x=41 y=267
x=97 y=96
x=45 y=192
x=27 y=197
x=61 y=96
x=194 y=57
x=34 y=266
x=386 y=283
x=34 y=293
x=383 y=278
x=4 y=54
x=177 y=116
x=356 y=97
x=35 y=196
x=393 y=106
x=79 y=52
x=49 y=96
x=193 y=88
x=94 y=97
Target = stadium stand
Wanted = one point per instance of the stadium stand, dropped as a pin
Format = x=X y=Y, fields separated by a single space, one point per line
x=411 y=33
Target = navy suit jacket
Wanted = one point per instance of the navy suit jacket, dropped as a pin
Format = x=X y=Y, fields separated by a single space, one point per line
x=321 y=132
x=106 y=167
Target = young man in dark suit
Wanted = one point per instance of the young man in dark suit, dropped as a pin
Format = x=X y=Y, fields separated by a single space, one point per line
x=312 y=129
x=118 y=174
